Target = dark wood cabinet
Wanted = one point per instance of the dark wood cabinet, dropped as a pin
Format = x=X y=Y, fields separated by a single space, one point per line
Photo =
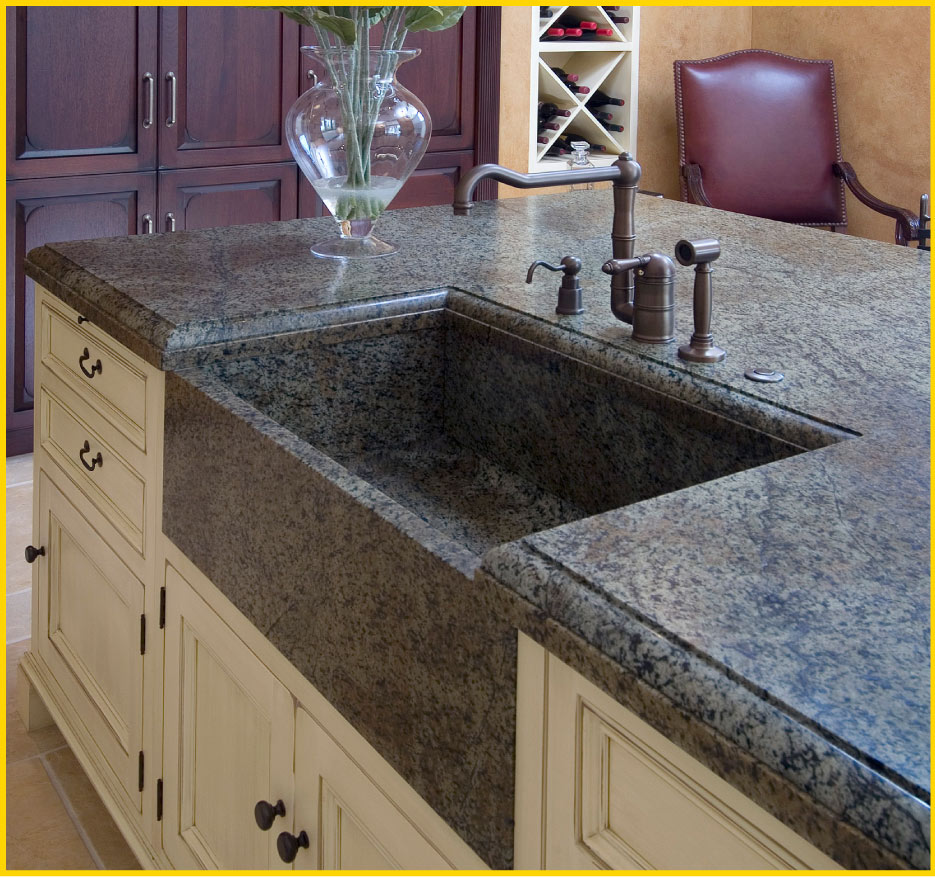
x=78 y=95
x=59 y=209
x=204 y=198
x=228 y=75
x=175 y=114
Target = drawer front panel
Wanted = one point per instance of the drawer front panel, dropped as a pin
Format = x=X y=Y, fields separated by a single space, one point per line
x=109 y=379
x=84 y=590
x=117 y=490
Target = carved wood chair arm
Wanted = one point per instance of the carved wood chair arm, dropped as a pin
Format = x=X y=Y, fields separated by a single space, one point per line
x=692 y=175
x=907 y=223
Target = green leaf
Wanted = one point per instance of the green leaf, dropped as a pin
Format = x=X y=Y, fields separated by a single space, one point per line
x=342 y=27
x=300 y=14
x=433 y=18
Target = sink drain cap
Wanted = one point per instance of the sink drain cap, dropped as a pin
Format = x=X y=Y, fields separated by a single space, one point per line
x=765 y=376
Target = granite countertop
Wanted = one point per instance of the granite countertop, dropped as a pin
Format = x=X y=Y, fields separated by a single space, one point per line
x=785 y=606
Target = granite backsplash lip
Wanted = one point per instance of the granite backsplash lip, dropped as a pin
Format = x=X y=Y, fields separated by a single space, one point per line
x=847 y=321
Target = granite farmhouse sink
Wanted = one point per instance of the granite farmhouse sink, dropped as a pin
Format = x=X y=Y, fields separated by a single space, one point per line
x=463 y=415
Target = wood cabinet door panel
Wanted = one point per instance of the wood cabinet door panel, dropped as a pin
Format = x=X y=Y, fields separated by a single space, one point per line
x=236 y=74
x=228 y=741
x=84 y=589
x=433 y=182
x=76 y=96
x=206 y=198
x=63 y=209
x=351 y=823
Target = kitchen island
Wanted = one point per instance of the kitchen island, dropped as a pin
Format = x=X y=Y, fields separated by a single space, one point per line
x=771 y=622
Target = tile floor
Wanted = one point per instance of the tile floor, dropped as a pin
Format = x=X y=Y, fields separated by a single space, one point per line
x=55 y=819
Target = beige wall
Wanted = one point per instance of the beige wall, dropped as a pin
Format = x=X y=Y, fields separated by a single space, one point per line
x=881 y=68
x=881 y=57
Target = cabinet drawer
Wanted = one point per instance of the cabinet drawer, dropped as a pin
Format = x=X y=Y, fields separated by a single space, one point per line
x=107 y=375
x=85 y=591
x=112 y=484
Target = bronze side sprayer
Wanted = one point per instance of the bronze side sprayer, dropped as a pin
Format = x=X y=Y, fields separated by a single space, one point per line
x=701 y=348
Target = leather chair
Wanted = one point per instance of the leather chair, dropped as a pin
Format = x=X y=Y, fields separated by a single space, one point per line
x=758 y=134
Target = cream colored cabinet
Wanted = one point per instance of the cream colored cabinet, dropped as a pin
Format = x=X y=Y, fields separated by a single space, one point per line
x=597 y=788
x=84 y=590
x=243 y=726
x=228 y=741
x=96 y=653
x=351 y=823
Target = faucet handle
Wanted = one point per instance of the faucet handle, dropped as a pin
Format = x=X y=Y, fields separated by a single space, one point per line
x=569 y=293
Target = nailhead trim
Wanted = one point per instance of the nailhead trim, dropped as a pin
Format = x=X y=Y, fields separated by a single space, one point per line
x=840 y=221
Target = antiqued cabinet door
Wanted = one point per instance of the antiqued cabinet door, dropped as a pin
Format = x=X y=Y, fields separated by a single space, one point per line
x=228 y=741
x=228 y=75
x=81 y=90
x=351 y=823
x=84 y=589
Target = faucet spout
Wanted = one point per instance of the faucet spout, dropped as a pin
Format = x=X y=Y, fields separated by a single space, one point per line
x=624 y=173
x=464 y=191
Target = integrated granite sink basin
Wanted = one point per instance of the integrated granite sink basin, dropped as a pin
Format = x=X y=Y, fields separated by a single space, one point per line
x=485 y=434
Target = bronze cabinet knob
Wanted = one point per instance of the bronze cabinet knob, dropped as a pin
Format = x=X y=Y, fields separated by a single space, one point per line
x=264 y=813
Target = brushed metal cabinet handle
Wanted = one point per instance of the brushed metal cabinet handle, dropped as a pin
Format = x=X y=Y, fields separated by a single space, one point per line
x=149 y=85
x=148 y=226
x=170 y=222
x=313 y=76
x=173 y=97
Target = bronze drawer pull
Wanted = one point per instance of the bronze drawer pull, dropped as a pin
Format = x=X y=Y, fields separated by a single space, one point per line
x=96 y=461
x=95 y=367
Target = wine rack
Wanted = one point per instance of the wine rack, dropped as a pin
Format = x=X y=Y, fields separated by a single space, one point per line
x=608 y=63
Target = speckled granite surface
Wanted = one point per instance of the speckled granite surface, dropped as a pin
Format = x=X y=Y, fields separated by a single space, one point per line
x=783 y=610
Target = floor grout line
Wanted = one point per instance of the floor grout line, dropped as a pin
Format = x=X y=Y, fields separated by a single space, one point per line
x=69 y=809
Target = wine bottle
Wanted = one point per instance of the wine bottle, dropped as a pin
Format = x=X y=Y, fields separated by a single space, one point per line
x=556 y=151
x=549 y=110
x=567 y=22
x=548 y=126
x=602 y=32
x=542 y=139
x=563 y=76
x=619 y=19
x=545 y=12
x=578 y=89
x=573 y=33
x=553 y=33
x=600 y=98
x=610 y=126
x=602 y=116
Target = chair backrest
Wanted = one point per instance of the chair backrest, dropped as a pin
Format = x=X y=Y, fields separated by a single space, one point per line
x=763 y=127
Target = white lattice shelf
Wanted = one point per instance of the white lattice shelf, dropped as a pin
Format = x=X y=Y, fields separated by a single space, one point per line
x=608 y=63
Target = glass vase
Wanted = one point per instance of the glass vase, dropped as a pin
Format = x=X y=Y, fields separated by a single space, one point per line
x=357 y=136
